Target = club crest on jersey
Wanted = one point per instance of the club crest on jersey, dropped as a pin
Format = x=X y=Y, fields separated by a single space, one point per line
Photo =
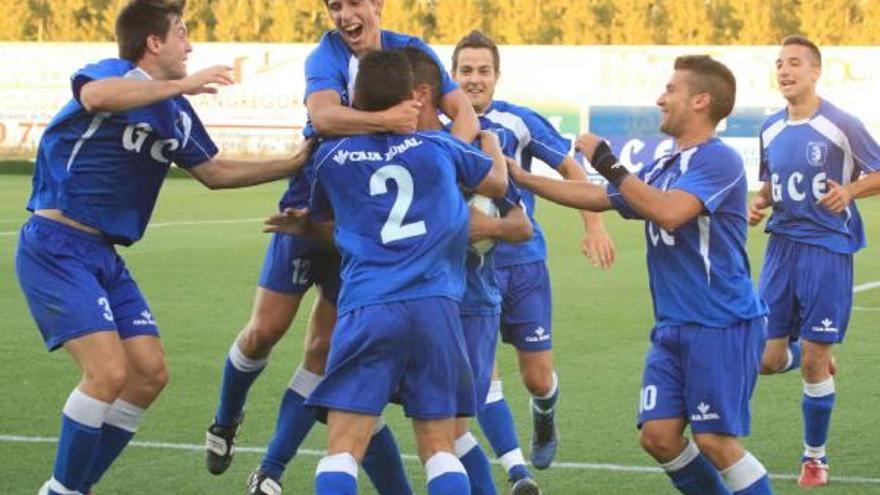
x=817 y=153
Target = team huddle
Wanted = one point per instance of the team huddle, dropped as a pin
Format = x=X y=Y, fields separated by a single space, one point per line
x=411 y=209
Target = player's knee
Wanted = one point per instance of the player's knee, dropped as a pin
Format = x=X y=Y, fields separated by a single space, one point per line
x=539 y=381
x=659 y=445
x=108 y=377
x=259 y=336
x=772 y=362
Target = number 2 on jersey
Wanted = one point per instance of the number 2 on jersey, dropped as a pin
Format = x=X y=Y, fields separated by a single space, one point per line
x=394 y=228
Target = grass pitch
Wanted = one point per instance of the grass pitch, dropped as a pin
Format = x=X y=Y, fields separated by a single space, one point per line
x=198 y=266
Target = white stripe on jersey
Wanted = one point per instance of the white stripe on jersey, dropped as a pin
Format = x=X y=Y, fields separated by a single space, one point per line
x=705 y=225
x=354 y=66
x=836 y=136
x=771 y=132
x=685 y=161
x=516 y=124
x=97 y=120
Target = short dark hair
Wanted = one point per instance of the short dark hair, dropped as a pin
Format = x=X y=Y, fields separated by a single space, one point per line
x=799 y=40
x=712 y=77
x=425 y=70
x=476 y=39
x=140 y=19
x=384 y=79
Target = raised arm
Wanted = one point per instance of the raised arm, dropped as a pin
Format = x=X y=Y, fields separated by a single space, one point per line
x=596 y=244
x=456 y=106
x=494 y=184
x=331 y=118
x=116 y=94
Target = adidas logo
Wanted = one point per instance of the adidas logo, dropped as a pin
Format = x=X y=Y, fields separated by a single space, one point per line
x=541 y=335
x=704 y=414
x=827 y=327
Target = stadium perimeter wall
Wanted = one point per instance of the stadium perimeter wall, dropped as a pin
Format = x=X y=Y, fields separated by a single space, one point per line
x=610 y=90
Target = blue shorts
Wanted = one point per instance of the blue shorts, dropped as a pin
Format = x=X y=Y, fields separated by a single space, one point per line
x=293 y=264
x=481 y=337
x=526 y=306
x=76 y=284
x=808 y=289
x=412 y=350
x=703 y=375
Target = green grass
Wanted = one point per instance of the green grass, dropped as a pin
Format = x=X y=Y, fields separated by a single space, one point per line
x=200 y=281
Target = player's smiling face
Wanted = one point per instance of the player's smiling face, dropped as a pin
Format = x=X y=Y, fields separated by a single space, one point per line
x=674 y=104
x=796 y=72
x=358 y=23
x=174 y=50
x=475 y=73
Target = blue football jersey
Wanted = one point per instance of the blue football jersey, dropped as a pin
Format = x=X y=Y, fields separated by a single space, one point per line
x=482 y=295
x=797 y=158
x=105 y=169
x=333 y=66
x=401 y=220
x=524 y=135
x=699 y=274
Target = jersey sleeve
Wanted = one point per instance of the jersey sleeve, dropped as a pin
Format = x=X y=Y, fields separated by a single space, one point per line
x=711 y=176
x=196 y=146
x=619 y=203
x=511 y=199
x=104 y=69
x=471 y=164
x=447 y=84
x=865 y=150
x=321 y=70
x=545 y=142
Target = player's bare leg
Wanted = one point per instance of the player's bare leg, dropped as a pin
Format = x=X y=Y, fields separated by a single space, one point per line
x=435 y=442
x=536 y=370
x=348 y=434
x=780 y=355
x=270 y=318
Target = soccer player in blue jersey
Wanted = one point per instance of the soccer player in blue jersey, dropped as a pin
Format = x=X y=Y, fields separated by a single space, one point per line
x=99 y=168
x=710 y=325
x=812 y=154
x=522 y=271
x=293 y=264
x=401 y=228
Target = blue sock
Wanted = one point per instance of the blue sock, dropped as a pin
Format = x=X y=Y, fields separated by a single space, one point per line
x=476 y=464
x=496 y=421
x=545 y=404
x=295 y=420
x=239 y=374
x=794 y=357
x=383 y=464
x=692 y=474
x=747 y=476
x=120 y=424
x=817 y=404
x=446 y=475
x=336 y=475
x=79 y=441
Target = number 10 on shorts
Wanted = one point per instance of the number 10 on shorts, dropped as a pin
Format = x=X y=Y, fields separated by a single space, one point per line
x=647 y=398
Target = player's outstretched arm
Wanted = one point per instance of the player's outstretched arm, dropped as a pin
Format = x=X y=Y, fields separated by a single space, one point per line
x=759 y=204
x=116 y=94
x=596 y=244
x=494 y=185
x=331 y=118
x=582 y=195
x=514 y=227
x=465 y=124
x=227 y=173
x=668 y=209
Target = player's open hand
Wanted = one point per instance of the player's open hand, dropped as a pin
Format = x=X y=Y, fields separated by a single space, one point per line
x=587 y=143
x=206 y=81
x=837 y=199
x=402 y=118
x=757 y=207
x=513 y=168
x=292 y=221
x=599 y=248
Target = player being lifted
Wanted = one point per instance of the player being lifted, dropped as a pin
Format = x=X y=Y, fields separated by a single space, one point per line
x=812 y=154
x=100 y=165
x=293 y=264
x=709 y=331
x=526 y=321
x=401 y=228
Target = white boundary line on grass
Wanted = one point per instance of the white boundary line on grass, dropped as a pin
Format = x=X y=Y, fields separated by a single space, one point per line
x=866 y=286
x=591 y=466
x=175 y=224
